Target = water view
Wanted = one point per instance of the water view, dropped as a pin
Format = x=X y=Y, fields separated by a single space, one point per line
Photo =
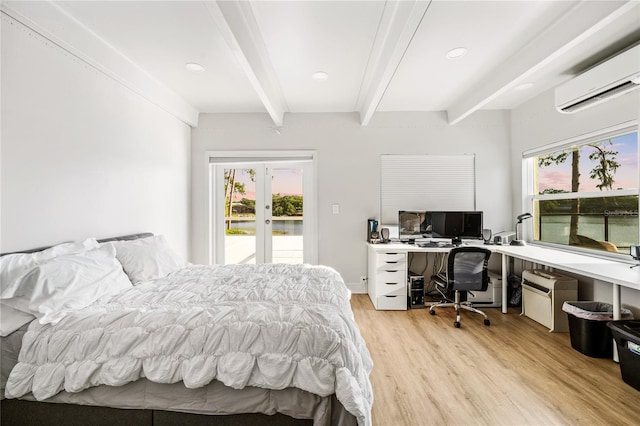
x=280 y=226
x=623 y=231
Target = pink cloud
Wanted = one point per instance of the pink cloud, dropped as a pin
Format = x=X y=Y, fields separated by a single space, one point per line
x=555 y=179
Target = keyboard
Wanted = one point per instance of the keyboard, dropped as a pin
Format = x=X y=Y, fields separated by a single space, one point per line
x=429 y=244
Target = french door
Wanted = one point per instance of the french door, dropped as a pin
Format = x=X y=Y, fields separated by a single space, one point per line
x=263 y=211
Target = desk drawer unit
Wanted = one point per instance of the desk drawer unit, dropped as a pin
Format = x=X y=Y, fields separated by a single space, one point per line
x=543 y=294
x=387 y=279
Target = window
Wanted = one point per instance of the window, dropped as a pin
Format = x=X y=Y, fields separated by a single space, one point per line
x=584 y=193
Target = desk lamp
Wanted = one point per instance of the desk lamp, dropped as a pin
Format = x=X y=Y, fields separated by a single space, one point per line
x=520 y=218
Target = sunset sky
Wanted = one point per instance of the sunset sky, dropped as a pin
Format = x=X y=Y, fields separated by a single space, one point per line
x=286 y=181
x=626 y=177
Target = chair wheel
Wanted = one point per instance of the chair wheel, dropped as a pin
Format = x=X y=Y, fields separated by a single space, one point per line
x=456 y=324
x=487 y=322
x=432 y=312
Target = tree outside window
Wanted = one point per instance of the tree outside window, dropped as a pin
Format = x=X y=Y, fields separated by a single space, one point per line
x=586 y=195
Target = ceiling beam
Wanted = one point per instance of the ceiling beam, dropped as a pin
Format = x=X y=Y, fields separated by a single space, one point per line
x=237 y=24
x=399 y=22
x=578 y=24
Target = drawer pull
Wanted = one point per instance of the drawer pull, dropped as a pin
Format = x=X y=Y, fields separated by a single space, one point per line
x=391 y=296
x=391 y=253
x=391 y=283
x=393 y=262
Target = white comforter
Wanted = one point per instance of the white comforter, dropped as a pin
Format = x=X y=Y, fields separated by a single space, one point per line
x=270 y=326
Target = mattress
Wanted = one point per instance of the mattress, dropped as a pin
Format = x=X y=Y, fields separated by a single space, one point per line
x=214 y=399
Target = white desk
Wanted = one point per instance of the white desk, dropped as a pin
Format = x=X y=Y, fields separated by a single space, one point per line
x=414 y=248
x=617 y=273
x=387 y=271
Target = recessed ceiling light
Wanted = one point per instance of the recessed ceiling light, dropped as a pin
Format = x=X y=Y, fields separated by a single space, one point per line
x=320 y=76
x=192 y=66
x=524 y=86
x=456 y=53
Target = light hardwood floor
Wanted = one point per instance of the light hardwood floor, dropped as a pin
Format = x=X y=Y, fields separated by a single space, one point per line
x=514 y=372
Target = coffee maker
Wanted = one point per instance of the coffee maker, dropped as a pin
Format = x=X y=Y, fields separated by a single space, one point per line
x=372 y=231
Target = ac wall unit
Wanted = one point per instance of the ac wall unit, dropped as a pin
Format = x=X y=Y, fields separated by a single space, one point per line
x=607 y=80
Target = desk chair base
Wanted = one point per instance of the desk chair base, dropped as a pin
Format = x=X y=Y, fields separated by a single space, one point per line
x=457 y=305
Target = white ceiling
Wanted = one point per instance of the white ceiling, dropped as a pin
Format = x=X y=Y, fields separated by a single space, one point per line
x=380 y=55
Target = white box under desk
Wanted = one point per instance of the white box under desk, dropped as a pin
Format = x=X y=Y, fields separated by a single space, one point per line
x=491 y=297
x=543 y=294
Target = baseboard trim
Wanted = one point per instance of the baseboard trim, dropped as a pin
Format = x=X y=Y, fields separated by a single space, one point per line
x=357 y=288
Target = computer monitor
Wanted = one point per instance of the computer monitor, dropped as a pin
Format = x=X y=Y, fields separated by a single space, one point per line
x=412 y=225
x=456 y=225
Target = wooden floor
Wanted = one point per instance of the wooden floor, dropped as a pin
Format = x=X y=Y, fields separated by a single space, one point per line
x=514 y=372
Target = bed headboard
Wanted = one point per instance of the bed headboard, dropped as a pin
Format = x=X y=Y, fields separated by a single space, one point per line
x=121 y=238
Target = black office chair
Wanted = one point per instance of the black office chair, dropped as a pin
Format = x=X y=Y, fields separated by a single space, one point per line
x=466 y=272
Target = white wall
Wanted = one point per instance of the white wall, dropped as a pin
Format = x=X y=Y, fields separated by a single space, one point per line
x=537 y=123
x=82 y=155
x=349 y=167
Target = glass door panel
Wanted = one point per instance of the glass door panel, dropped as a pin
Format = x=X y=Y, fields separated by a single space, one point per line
x=239 y=216
x=287 y=214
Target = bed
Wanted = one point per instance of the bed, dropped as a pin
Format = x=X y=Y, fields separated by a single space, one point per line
x=176 y=342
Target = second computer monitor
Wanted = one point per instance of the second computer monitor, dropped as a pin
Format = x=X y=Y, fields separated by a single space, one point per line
x=456 y=225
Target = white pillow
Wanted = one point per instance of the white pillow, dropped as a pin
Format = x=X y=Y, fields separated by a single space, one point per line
x=12 y=319
x=71 y=282
x=14 y=267
x=147 y=258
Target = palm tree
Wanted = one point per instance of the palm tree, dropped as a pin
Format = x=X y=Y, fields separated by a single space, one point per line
x=232 y=187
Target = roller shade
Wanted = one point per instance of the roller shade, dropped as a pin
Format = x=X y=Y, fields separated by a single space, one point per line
x=426 y=182
x=597 y=136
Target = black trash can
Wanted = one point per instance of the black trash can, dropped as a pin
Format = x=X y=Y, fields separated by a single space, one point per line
x=627 y=336
x=588 y=327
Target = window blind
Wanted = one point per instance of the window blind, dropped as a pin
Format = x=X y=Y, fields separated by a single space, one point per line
x=597 y=136
x=426 y=183
x=259 y=160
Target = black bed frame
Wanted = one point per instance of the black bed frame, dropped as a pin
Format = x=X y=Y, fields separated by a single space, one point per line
x=16 y=412
x=30 y=413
